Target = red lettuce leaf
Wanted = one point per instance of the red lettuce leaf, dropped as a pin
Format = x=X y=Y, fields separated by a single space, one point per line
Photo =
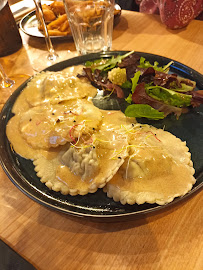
x=101 y=81
x=197 y=98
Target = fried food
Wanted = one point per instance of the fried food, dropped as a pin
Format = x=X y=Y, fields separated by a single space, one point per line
x=57 y=21
x=59 y=27
x=49 y=15
x=58 y=8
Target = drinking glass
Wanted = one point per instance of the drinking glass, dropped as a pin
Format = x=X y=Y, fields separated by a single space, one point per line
x=45 y=59
x=6 y=81
x=91 y=24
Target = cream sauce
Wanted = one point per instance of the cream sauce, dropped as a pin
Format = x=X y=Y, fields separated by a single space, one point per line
x=59 y=87
x=153 y=171
x=53 y=87
x=110 y=143
x=21 y=147
x=162 y=181
x=31 y=94
x=107 y=168
x=53 y=125
x=156 y=163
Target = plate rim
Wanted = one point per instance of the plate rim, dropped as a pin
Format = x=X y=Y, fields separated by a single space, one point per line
x=60 y=208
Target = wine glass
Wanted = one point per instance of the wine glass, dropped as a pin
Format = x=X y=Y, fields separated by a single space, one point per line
x=44 y=60
x=6 y=81
x=52 y=55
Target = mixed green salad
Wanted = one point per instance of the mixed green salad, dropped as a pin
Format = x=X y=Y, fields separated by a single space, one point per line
x=149 y=89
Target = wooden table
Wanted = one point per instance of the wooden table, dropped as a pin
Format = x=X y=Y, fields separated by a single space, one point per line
x=171 y=239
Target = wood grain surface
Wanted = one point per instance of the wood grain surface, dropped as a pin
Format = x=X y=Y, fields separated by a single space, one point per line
x=168 y=240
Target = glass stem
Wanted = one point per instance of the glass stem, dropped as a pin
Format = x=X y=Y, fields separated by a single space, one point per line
x=6 y=82
x=52 y=54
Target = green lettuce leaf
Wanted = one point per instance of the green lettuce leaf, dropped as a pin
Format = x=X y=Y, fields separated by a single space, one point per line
x=143 y=110
x=129 y=99
x=127 y=85
x=146 y=64
x=184 y=87
x=106 y=64
x=167 y=96
x=134 y=80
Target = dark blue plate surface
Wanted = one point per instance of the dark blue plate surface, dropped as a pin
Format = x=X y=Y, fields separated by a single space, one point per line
x=21 y=172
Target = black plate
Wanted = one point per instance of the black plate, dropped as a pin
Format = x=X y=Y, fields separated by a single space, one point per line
x=29 y=25
x=21 y=172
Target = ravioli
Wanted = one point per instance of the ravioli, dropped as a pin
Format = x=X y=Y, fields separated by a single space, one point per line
x=92 y=161
x=20 y=146
x=77 y=148
x=53 y=125
x=31 y=94
x=158 y=169
x=61 y=86
x=53 y=88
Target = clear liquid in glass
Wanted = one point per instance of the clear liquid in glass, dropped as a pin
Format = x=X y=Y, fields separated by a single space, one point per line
x=91 y=25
